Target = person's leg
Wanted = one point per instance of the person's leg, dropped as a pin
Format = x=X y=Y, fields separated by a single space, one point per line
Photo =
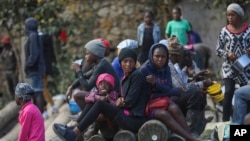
x=46 y=93
x=37 y=84
x=172 y=124
x=241 y=96
x=194 y=108
x=228 y=96
x=99 y=107
x=177 y=114
x=79 y=98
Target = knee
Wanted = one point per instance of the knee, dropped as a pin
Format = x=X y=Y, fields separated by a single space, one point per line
x=79 y=96
x=161 y=114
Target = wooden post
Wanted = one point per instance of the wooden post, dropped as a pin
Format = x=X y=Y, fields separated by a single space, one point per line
x=153 y=130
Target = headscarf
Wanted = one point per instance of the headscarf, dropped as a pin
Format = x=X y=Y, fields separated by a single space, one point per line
x=236 y=8
x=106 y=77
x=24 y=91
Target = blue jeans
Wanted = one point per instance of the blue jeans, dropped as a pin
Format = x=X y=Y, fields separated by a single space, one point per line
x=36 y=82
x=241 y=97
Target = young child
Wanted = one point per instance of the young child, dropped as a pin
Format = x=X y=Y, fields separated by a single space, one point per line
x=178 y=27
x=105 y=90
x=148 y=33
x=105 y=85
x=30 y=117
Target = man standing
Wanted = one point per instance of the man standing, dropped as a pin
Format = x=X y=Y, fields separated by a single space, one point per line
x=34 y=62
x=9 y=60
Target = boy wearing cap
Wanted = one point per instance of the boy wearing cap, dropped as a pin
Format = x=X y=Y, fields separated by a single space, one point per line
x=10 y=69
x=30 y=118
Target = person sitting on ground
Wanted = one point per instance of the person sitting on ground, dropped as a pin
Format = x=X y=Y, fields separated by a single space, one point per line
x=30 y=117
x=128 y=113
x=105 y=91
x=158 y=76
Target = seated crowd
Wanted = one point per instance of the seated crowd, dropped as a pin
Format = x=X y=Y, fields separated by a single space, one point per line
x=117 y=93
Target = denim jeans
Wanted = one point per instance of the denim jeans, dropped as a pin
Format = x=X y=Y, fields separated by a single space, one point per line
x=241 y=97
x=37 y=82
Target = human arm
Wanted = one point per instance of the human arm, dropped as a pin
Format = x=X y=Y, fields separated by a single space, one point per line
x=26 y=121
x=132 y=92
x=33 y=45
x=168 y=31
x=220 y=48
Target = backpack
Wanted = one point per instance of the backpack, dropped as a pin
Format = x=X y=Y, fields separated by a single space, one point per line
x=48 y=51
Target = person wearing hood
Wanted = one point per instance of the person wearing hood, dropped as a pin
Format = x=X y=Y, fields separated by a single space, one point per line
x=34 y=61
x=158 y=76
x=128 y=113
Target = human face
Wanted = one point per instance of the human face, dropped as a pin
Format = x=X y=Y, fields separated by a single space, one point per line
x=232 y=17
x=176 y=14
x=148 y=18
x=89 y=57
x=175 y=58
x=17 y=99
x=159 y=57
x=104 y=87
x=128 y=65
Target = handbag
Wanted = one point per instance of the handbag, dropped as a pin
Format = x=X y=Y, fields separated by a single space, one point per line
x=157 y=103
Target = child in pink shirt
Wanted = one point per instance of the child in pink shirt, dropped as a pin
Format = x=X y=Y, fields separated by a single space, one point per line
x=30 y=118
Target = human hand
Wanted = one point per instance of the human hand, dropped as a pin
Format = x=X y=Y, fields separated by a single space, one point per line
x=120 y=102
x=150 y=79
x=69 y=94
x=75 y=67
x=231 y=56
x=248 y=51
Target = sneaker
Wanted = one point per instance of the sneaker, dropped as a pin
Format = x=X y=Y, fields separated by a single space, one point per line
x=64 y=134
x=58 y=125
x=55 y=109
x=45 y=115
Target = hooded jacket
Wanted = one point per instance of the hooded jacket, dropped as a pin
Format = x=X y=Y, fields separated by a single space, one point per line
x=34 y=59
x=163 y=85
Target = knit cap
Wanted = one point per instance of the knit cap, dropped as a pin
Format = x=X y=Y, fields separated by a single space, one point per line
x=105 y=42
x=106 y=77
x=236 y=8
x=96 y=47
x=24 y=91
x=127 y=52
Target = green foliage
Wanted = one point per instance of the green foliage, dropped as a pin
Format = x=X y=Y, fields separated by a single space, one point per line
x=12 y=16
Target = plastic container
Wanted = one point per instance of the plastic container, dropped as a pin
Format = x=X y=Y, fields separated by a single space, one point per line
x=215 y=92
x=74 y=108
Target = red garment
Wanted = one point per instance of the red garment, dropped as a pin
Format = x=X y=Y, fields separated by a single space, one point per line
x=32 y=123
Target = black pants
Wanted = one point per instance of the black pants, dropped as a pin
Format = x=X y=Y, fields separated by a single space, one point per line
x=113 y=113
x=192 y=99
x=12 y=80
x=228 y=96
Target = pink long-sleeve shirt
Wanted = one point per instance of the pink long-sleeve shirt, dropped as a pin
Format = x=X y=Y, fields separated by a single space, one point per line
x=32 y=123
